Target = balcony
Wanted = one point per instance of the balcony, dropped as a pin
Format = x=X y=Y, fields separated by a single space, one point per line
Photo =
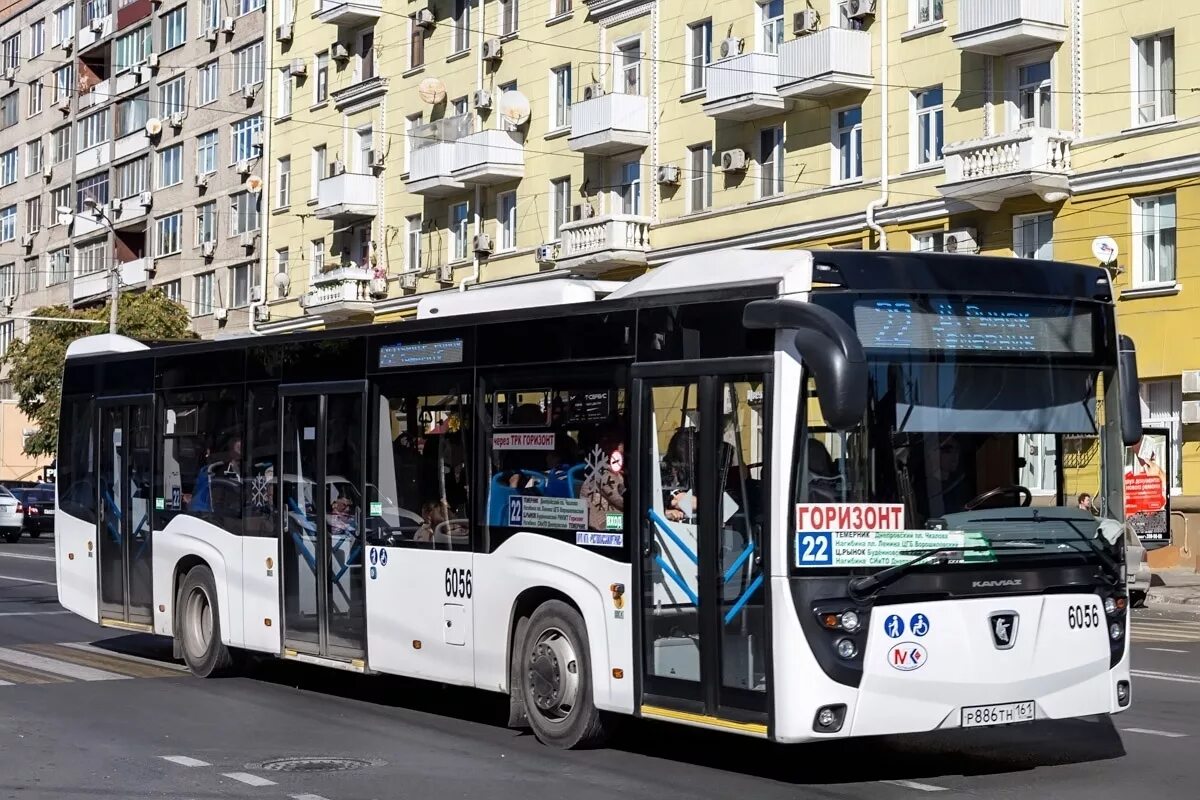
x=343 y=294
x=93 y=157
x=347 y=196
x=999 y=27
x=825 y=63
x=431 y=156
x=599 y=244
x=95 y=284
x=97 y=95
x=491 y=156
x=94 y=32
x=132 y=143
x=610 y=124
x=986 y=172
x=349 y=13
x=743 y=87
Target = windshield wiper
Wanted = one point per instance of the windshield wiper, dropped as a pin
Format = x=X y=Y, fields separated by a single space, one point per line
x=1111 y=568
x=867 y=586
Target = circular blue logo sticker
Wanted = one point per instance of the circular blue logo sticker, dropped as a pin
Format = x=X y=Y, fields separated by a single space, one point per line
x=893 y=626
x=919 y=624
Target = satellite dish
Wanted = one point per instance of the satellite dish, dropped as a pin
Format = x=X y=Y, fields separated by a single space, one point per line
x=432 y=91
x=254 y=184
x=1104 y=248
x=514 y=107
x=283 y=282
x=153 y=126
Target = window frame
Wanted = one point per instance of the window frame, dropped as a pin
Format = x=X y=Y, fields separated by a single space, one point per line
x=1021 y=224
x=1159 y=93
x=703 y=153
x=562 y=86
x=934 y=112
x=855 y=133
x=160 y=227
x=164 y=172
x=774 y=163
x=1139 y=279
x=506 y=221
x=697 y=63
x=458 y=242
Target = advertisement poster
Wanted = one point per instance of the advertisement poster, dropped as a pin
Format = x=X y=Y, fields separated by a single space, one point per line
x=1147 y=489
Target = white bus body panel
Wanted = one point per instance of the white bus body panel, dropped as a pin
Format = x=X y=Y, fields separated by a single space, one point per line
x=186 y=535
x=75 y=570
x=260 y=594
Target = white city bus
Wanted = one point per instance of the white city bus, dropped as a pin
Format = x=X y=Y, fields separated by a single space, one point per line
x=795 y=495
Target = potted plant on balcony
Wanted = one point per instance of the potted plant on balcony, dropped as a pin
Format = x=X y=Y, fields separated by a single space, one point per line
x=379 y=280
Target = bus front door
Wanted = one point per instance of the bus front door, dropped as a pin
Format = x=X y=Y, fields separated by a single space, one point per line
x=705 y=651
x=321 y=544
x=123 y=481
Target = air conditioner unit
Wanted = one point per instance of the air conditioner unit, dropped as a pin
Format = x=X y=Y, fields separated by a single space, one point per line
x=378 y=159
x=207 y=249
x=64 y=104
x=733 y=160
x=256 y=139
x=262 y=313
x=210 y=35
x=284 y=32
x=668 y=174
x=408 y=280
x=424 y=19
x=337 y=168
x=1191 y=381
x=582 y=211
x=338 y=52
x=256 y=294
x=1190 y=412
x=804 y=22
x=961 y=240
x=545 y=254
x=176 y=119
x=96 y=25
x=298 y=68
x=860 y=9
x=493 y=50
x=27 y=240
x=201 y=181
x=146 y=199
x=250 y=91
x=10 y=73
x=116 y=204
x=67 y=43
x=248 y=239
x=227 y=25
x=47 y=172
x=731 y=47
x=243 y=166
x=220 y=314
x=483 y=99
x=482 y=243
x=592 y=91
x=152 y=60
x=445 y=273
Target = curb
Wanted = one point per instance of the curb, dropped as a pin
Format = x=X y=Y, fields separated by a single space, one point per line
x=1184 y=605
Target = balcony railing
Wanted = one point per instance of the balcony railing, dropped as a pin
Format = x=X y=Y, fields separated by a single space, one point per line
x=743 y=87
x=94 y=284
x=825 y=63
x=602 y=243
x=610 y=124
x=94 y=31
x=998 y=27
x=490 y=156
x=431 y=156
x=349 y=12
x=347 y=195
x=343 y=293
x=987 y=171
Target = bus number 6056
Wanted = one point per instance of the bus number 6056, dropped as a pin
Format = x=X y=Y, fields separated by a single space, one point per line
x=458 y=583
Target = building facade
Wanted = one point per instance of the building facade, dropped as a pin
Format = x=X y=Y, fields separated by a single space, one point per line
x=132 y=135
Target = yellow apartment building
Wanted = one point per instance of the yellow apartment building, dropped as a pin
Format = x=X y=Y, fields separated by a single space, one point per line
x=420 y=146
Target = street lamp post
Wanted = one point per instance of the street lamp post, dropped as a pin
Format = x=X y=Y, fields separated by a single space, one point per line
x=114 y=277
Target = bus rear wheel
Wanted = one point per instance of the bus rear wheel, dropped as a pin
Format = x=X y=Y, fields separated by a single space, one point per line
x=556 y=679
x=198 y=625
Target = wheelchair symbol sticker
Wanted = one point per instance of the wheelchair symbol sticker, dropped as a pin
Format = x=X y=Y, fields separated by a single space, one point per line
x=382 y=557
x=919 y=624
x=894 y=626
x=374 y=556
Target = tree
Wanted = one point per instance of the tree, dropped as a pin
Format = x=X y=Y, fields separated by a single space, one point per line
x=36 y=364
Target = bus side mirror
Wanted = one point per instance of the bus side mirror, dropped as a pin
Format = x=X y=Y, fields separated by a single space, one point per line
x=1127 y=382
x=829 y=347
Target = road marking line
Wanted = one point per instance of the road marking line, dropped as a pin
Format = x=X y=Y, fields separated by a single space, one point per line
x=1164 y=676
x=27 y=556
x=25 y=580
x=186 y=761
x=111 y=662
x=1166 y=650
x=920 y=787
x=32 y=613
x=1151 y=732
x=248 y=779
x=306 y=797
x=91 y=648
x=5 y=683
x=57 y=667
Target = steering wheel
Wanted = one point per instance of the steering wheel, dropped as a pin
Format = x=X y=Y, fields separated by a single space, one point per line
x=1023 y=496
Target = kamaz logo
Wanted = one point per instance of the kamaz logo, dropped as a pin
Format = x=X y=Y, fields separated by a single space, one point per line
x=997 y=584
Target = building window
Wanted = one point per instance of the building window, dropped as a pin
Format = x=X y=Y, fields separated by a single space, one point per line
x=1033 y=236
x=64 y=82
x=33 y=157
x=321 y=84
x=770 y=26
x=208 y=79
x=93 y=130
x=928 y=127
x=364 y=153
x=770 y=160
x=508 y=17
x=172 y=97
x=64 y=22
x=1155 y=78
x=58 y=266
x=89 y=258
x=1154 y=240
x=559 y=8
x=168 y=234
x=239 y=286
x=132 y=114
x=1035 y=96
x=8 y=332
x=60 y=198
x=560 y=78
x=416 y=45
x=133 y=177
x=284 y=95
x=37 y=38
x=132 y=49
x=36 y=95
x=173 y=290
x=560 y=205
x=8 y=280
x=8 y=223
x=210 y=15
x=629 y=188
x=318 y=169
x=33 y=274
x=366 y=55
x=248 y=66
x=459 y=106
x=206 y=222
x=206 y=153
x=460 y=214
x=699 y=177
x=282 y=266
x=202 y=295
x=9 y=114
x=246 y=6
x=243 y=135
x=94 y=188
x=8 y=167
x=462 y=25
x=847 y=141
x=506 y=221
x=925 y=12
x=699 y=54
x=283 y=181
x=61 y=139
x=12 y=51
x=318 y=257
x=245 y=212
x=174 y=28
x=929 y=242
x=96 y=9
x=629 y=64
x=33 y=214
x=170 y=166
x=412 y=242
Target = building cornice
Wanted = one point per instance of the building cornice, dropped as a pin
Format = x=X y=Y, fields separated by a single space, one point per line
x=613 y=11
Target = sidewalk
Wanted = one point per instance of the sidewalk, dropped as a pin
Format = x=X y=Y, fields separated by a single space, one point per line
x=1176 y=588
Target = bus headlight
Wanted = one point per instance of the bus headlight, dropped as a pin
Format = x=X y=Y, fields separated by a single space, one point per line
x=850 y=621
x=1115 y=630
x=847 y=649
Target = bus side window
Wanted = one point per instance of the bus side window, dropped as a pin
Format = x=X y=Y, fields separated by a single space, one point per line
x=203 y=457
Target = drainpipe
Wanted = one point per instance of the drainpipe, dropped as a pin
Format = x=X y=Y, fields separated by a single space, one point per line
x=882 y=200
x=474 y=276
x=266 y=284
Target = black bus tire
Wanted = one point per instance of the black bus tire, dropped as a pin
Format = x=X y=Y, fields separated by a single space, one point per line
x=198 y=625
x=556 y=679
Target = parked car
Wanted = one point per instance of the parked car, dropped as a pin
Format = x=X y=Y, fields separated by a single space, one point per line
x=1137 y=569
x=37 y=510
x=11 y=520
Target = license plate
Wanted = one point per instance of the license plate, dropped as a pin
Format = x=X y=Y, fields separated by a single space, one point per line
x=49 y=512
x=1002 y=714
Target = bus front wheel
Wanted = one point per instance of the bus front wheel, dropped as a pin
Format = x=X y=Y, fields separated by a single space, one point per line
x=556 y=679
x=199 y=625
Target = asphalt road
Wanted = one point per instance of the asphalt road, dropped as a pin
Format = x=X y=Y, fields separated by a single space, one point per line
x=87 y=713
